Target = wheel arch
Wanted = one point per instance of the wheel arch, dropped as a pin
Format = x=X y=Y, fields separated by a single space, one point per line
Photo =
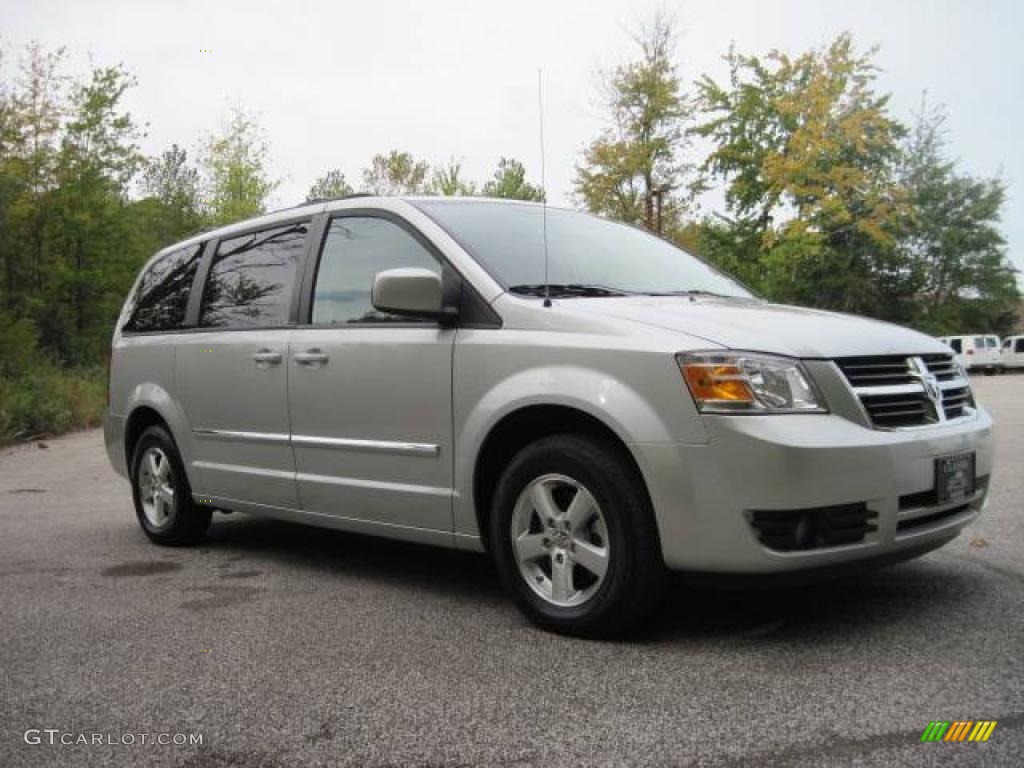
x=151 y=404
x=523 y=426
x=139 y=420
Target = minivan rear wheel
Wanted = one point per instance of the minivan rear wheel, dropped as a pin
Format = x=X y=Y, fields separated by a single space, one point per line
x=574 y=538
x=162 y=494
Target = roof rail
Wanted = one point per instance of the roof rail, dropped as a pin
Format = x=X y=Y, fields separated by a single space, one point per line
x=339 y=197
x=319 y=201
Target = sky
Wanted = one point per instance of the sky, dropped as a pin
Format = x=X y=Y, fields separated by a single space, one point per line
x=334 y=83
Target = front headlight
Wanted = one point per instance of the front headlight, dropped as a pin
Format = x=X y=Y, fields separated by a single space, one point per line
x=741 y=382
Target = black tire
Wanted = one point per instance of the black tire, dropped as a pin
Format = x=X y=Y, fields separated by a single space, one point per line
x=635 y=579
x=990 y=371
x=186 y=523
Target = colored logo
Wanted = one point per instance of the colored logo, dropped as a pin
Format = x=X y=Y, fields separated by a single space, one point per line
x=958 y=730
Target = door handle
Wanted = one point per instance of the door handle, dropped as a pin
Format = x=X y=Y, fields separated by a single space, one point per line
x=311 y=357
x=266 y=357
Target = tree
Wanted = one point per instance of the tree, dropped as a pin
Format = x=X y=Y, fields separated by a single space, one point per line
x=174 y=184
x=808 y=154
x=952 y=244
x=30 y=135
x=235 y=166
x=448 y=181
x=509 y=182
x=636 y=162
x=328 y=186
x=396 y=173
x=97 y=161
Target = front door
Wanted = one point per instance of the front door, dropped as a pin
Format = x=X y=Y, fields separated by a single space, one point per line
x=369 y=392
x=232 y=373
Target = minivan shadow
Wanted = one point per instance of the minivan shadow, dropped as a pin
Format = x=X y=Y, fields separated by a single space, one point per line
x=243 y=540
x=840 y=609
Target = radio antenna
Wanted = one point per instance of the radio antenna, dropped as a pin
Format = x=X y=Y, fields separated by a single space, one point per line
x=543 y=186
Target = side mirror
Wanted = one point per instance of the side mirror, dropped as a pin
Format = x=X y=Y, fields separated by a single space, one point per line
x=414 y=292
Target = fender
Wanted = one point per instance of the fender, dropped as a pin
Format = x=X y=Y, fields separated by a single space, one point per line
x=599 y=394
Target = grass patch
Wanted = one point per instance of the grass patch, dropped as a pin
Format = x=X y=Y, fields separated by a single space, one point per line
x=48 y=400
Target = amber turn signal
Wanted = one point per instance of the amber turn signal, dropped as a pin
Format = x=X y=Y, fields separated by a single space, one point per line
x=717 y=383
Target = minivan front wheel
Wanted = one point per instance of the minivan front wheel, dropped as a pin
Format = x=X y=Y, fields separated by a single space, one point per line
x=161 y=492
x=560 y=540
x=574 y=538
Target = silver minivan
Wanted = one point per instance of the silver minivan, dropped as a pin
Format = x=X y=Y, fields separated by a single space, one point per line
x=586 y=402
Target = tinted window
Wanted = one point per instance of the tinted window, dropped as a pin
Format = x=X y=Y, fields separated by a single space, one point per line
x=356 y=249
x=993 y=342
x=251 y=278
x=979 y=342
x=1020 y=345
x=508 y=240
x=956 y=345
x=162 y=296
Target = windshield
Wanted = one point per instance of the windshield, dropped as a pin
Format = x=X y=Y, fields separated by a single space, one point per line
x=588 y=256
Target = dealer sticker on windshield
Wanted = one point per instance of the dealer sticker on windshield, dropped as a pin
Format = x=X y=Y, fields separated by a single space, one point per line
x=954 y=477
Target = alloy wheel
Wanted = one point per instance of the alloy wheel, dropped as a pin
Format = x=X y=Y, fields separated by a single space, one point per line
x=560 y=540
x=156 y=490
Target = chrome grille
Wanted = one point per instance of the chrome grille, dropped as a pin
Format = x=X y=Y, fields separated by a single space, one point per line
x=900 y=391
x=875 y=371
x=898 y=410
x=943 y=366
x=955 y=400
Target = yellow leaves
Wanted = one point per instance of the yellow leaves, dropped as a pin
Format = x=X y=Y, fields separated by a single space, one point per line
x=805 y=136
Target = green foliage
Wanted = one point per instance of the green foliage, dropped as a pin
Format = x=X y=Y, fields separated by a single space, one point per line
x=18 y=352
x=448 y=181
x=835 y=204
x=396 y=173
x=31 y=112
x=731 y=248
x=509 y=182
x=808 y=154
x=71 y=238
x=235 y=165
x=36 y=396
x=67 y=159
x=50 y=400
x=951 y=244
x=96 y=161
x=329 y=186
x=638 y=156
x=173 y=189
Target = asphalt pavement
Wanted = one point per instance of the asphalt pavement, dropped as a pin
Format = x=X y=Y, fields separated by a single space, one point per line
x=281 y=645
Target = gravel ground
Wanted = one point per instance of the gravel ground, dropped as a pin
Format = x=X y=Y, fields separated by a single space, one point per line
x=286 y=645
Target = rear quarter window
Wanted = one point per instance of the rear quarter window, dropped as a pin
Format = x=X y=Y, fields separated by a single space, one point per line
x=161 y=298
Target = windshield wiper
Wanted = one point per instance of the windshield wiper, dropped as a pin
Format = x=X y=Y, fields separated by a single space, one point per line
x=690 y=292
x=567 y=290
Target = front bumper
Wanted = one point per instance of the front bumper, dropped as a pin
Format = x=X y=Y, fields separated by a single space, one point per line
x=704 y=495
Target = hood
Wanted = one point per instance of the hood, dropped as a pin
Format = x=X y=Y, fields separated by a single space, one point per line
x=758 y=326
